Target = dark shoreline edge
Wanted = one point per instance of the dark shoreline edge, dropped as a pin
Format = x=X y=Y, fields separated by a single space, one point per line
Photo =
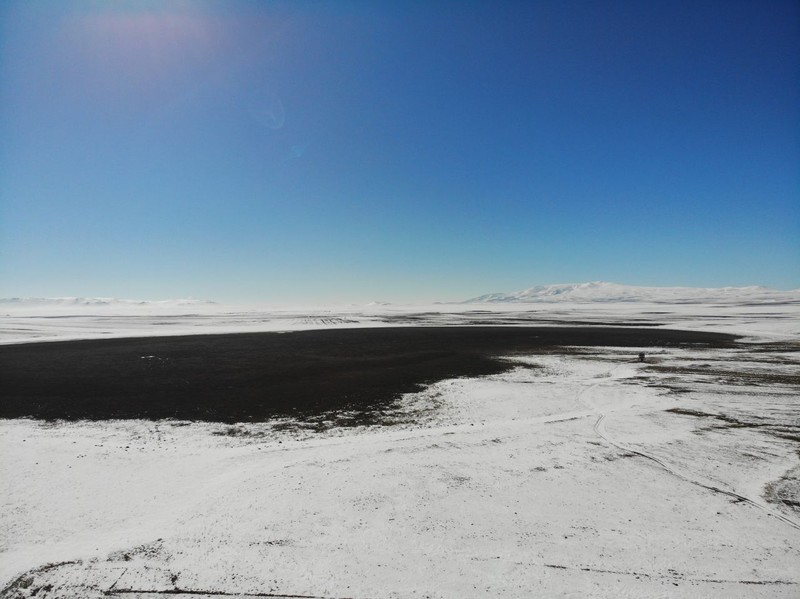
x=254 y=377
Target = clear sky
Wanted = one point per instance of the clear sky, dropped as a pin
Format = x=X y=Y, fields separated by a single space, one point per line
x=401 y=151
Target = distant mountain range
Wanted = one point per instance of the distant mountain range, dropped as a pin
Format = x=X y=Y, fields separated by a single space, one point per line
x=95 y=301
x=612 y=292
x=578 y=292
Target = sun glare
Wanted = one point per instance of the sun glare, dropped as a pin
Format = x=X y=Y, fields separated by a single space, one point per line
x=141 y=48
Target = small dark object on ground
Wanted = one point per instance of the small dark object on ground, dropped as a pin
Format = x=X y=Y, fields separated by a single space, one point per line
x=641 y=356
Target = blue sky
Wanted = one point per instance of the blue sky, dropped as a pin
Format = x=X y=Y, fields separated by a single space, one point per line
x=402 y=151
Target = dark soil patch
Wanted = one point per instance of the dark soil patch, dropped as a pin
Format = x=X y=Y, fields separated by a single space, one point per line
x=259 y=376
x=690 y=412
x=724 y=421
x=732 y=377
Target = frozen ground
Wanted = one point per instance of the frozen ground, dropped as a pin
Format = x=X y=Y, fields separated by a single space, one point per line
x=22 y=321
x=580 y=473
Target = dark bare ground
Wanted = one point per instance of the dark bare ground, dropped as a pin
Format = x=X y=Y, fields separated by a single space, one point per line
x=733 y=377
x=259 y=376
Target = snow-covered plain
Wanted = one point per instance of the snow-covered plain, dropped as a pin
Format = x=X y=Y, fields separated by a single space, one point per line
x=580 y=473
x=751 y=311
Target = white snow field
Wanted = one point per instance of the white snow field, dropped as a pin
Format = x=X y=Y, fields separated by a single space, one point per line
x=580 y=473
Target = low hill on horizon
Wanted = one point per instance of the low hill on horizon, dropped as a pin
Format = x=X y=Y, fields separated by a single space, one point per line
x=96 y=302
x=600 y=291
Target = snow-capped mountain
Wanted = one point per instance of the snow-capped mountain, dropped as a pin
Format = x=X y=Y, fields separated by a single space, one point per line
x=612 y=292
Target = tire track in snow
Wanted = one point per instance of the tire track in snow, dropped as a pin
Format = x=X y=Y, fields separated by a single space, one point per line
x=599 y=429
x=672 y=576
x=138 y=593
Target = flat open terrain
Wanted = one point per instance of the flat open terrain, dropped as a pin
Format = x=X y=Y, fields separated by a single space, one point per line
x=255 y=377
x=446 y=462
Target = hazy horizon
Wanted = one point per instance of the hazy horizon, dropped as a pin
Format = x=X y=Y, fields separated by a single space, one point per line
x=586 y=292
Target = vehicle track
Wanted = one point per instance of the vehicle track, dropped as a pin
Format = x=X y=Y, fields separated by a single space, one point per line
x=599 y=429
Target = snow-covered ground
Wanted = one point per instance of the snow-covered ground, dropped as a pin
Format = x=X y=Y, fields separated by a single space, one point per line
x=581 y=473
x=23 y=321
